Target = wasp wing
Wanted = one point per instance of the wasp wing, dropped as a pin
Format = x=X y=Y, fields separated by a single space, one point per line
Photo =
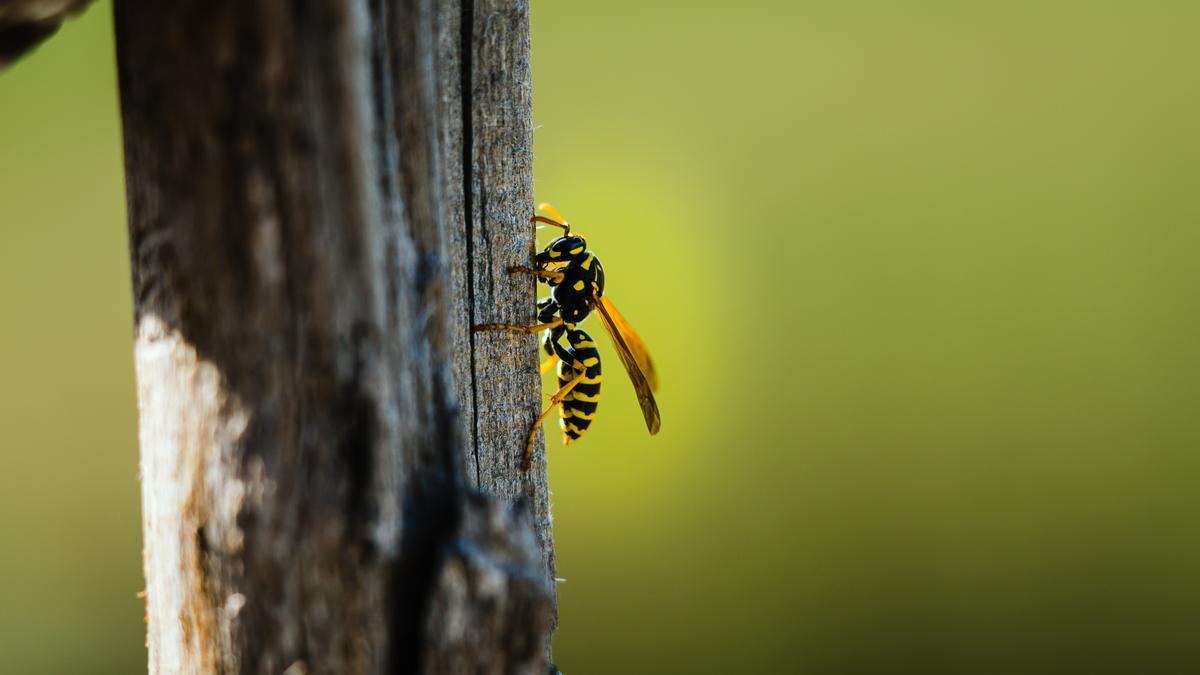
x=636 y=345
x=641 y=385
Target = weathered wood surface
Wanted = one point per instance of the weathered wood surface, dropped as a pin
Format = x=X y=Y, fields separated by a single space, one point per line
x=323 y=196
x=487 y=593
x=490 y=177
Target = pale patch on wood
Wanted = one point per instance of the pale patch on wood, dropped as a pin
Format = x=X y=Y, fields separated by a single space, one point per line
x=182 y=433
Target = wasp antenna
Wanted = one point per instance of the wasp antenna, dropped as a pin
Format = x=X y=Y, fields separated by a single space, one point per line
x=566 y=227
x=549 y=208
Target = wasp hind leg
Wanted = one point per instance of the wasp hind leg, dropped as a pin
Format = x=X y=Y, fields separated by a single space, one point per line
x=555 y=401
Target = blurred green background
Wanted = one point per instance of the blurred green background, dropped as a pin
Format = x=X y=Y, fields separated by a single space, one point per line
x=921 y=282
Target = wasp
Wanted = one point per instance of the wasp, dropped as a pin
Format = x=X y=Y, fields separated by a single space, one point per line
x=576 y=280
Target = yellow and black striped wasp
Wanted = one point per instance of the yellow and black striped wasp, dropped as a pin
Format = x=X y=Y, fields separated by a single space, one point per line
x=576 y=280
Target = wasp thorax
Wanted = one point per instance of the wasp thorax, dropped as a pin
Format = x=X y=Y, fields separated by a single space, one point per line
x=574 y=314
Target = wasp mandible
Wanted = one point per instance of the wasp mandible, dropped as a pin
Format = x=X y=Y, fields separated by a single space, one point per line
x=576 y=280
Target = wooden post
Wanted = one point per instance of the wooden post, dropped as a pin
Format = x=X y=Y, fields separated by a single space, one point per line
x=323 y=196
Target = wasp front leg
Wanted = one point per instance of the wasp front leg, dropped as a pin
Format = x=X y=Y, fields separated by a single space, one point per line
x=547 y=276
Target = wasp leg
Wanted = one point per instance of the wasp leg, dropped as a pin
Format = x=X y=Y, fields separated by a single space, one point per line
x=528 y=330
x=555 y=401
x=550 y=275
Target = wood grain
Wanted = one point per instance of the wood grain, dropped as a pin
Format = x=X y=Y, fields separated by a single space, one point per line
x=499 y=386
x=322 y=197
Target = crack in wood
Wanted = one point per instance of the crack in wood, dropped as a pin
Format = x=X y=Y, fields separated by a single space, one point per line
x=467 y=17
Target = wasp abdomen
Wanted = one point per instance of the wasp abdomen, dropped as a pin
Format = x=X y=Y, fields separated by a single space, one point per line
x=579 y=405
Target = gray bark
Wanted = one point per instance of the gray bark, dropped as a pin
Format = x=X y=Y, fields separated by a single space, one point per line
x=323 y=196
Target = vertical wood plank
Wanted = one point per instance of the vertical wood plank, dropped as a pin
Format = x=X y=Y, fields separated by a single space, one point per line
x=485 y=79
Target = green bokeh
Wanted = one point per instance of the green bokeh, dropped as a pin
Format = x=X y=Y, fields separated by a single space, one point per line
x=920 y=279
x=70 y=561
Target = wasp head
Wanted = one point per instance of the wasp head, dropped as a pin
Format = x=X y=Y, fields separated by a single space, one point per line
x=564 y=249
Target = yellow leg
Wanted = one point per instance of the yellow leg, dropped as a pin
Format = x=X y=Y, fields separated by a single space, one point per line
x=548 y=364
x=528 y=330
x=555 y=401
x=541 y=274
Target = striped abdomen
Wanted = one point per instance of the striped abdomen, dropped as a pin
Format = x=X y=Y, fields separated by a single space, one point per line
x=579 y=405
